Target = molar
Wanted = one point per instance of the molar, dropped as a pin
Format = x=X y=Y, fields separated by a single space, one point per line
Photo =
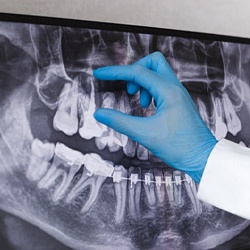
x=66 y=163
x=66 y=119
x=110 y=137
x=41 y=154
x=89 y=127
x=95 y=172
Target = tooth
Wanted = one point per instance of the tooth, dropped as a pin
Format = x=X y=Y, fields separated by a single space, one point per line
x=178 y=200
x=73 y=161
x=233 y=122
x=149 y=188
x=134 y=192
x=96 y=165
x=94 y=182
x=41 y=154
x=95 y=173
x=120 y=183
x=65 y=160
x=130 y=148
x=65 y=119
x=159 y=186
x=191 y=190
x=110 y=137
x=124 y=106
x=89 y=127
x=142 y=153
x=220 y=127
x=169 y=186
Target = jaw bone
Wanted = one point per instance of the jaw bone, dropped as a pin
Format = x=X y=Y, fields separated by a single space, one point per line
x=134 y=192
x=94 y=174
x=41 y=154
x=110 y=137
x=89 y=127
x=191 y=189
x=65 y=119
x=159 y=187
x=65 y=160
x=120 y=184
x=149 y=188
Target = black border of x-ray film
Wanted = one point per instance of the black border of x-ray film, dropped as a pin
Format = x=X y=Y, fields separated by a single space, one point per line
x=73 y=23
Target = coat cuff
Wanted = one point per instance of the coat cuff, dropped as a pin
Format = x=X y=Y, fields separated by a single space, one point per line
x=225 y=182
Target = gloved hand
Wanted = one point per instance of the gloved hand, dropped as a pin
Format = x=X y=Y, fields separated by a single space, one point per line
x=175 y=133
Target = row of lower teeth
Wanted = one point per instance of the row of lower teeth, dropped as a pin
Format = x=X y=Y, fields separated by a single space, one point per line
x=48 y=162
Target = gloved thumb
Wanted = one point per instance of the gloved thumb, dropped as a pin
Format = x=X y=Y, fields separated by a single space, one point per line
x=122 y=123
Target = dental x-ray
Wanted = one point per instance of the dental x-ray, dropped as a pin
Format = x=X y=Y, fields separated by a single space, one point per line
x=69 y=182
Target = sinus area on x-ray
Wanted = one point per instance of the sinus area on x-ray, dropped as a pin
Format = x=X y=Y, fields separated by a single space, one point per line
x=83 y=184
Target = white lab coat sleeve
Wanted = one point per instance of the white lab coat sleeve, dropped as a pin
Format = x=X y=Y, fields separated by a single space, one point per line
x=225 y=182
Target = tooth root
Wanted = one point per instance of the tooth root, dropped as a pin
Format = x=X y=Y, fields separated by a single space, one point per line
x=120 y=185
x=65 y=119
x=41 y=154
x=159 y=187
x=90 y=127
x=52 y=174
x=94 y=182
x=191 y=190
x=142 y=153
x=59 y=193
x=178 y=199
x=169 y=186
x=78 y=188
x=149 y=188
x=94 y=192
x=134 y=192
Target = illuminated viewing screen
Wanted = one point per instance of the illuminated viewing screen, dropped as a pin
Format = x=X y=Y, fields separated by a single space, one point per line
x=69 y=182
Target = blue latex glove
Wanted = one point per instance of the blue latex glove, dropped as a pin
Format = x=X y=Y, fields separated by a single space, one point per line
x=176 y=133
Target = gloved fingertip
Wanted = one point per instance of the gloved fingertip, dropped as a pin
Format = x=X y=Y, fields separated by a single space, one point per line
x=132 y=88
x=100 y=116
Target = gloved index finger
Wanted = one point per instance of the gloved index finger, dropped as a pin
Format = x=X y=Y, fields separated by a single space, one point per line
x=133 y=73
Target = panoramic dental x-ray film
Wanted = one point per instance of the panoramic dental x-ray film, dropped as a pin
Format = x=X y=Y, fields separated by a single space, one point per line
x=69 y=182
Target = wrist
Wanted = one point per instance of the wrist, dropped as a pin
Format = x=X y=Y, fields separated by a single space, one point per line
x=201 y=161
